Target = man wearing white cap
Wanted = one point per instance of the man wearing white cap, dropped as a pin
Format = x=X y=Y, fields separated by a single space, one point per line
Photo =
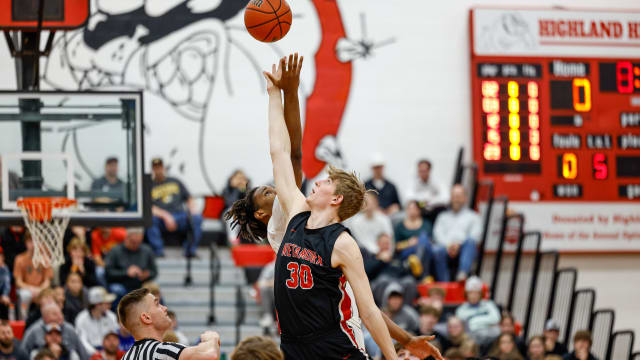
x=387 y=192
x=94 y=323
x=480 y=316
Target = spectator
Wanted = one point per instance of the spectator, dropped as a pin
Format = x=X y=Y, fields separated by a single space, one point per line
x=404 y=354
x=170 y=336
x=469 y=349
x=457 y=232
x=435 y=298
x=103 y=239
x=10 y=346
x=169 y=198
x=110 y=348
x=387 y=192
x=236 y=188
x=551 y=344
x=12 y=242
x=30 y=280
x=424 y=189
x=581 y=347
x=481 y=317
x=125 y=338
x=154 y=289
x=34 y=337
x=507 y=326
x=429 y=317
x=257 y=348
x=46 y=296
x=76 y=298
x=412 y=240
x=109 y=183
x=79 y=262
x=506 y=349
x=454 y=354
x=403 y=315
x=382 y=269
x=369 y=224
x=536 y=348
x=5 y=288
x=130 y=264
x=94 y=323
x=45 y=354
x=266 y=297
x=182 y=338
x=455 y=332
x=53 y=342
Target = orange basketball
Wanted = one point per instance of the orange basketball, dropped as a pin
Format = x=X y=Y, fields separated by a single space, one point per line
x=267 y=20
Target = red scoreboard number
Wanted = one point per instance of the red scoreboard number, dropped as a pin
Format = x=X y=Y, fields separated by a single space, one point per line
x=558 y=129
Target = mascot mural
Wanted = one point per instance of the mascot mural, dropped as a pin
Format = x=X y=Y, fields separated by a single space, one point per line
x=201 y=73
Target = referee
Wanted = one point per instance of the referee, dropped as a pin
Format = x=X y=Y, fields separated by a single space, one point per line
x=147 y=320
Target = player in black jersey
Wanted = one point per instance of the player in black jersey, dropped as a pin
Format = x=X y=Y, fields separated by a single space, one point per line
x=318 y=256
x=258 y=215
x=147 y=320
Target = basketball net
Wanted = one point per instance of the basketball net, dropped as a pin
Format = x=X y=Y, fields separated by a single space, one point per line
x=47 y=220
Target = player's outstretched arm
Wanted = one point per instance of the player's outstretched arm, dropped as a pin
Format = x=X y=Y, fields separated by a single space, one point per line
x=208 y=349
x=289 y=83
x=417 y=345
x=291 y=198
x=348 y=257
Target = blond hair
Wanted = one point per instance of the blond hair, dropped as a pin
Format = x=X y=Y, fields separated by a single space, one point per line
x=257 y=348
x=352 y=190
x=76 y=242
x=170 y=336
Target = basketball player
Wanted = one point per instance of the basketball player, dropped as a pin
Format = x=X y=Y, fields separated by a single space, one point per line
x=260 y=215
x=147 y=320
x=318 y=256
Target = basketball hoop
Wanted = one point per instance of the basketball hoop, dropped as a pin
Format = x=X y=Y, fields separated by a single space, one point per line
x=47 y=218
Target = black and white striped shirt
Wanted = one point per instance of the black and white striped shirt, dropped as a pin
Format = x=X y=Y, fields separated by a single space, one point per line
x=150 y=349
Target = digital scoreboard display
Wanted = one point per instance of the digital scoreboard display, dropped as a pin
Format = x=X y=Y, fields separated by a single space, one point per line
x=552 y=126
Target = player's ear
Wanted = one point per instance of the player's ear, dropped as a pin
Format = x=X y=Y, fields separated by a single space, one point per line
x=145 y=318
x=337 y=199
x=259 y=214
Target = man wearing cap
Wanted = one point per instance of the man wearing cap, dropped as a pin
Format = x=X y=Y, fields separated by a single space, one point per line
x=53 y=342
x=110 y=183
x=481 y=317
x=94 y=323
x=110 y=348
x=551 y=344
x=387 y=192
x=52 y=318
x=169 y=197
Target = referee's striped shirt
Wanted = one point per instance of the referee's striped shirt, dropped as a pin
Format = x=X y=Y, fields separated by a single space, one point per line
x=151 y=349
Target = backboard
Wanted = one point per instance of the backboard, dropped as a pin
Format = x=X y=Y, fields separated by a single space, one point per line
x=57 y=14
x=88 y=147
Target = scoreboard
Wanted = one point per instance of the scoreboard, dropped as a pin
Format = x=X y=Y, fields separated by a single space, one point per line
x=549 y=125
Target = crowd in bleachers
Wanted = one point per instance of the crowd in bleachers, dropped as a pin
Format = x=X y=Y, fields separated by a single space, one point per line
x=430 y=236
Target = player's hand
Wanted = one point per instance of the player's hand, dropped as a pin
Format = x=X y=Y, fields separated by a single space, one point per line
x=210 y=336
x=422 y=348
x=290 y=79
x=274 y=77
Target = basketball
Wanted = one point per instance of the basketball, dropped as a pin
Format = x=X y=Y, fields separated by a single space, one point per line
x=268 y=20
